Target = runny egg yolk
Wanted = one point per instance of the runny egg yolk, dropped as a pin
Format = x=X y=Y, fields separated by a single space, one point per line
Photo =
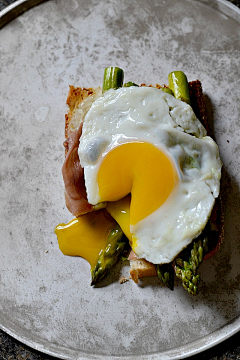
x=86 y=235
x=141 y=169
x=135 y=179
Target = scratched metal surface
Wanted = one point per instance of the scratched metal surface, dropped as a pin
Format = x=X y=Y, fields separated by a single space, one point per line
x=45 y=298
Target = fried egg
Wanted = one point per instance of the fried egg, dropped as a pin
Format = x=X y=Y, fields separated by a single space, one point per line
x=142 y=143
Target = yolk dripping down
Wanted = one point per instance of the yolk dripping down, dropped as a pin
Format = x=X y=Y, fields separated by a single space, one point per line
x=86 y=235
x=141 y=169
x=120 y=211
x=137 y=168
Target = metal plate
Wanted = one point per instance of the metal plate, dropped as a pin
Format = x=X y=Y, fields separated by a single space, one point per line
x=45 y=298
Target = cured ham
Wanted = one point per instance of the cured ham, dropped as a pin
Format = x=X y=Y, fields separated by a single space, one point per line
x=73 y=176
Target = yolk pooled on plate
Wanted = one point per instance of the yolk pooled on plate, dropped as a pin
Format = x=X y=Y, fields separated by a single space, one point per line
x=141 y=169
x=86 y=235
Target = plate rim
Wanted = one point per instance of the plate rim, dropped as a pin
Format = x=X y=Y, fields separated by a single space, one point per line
x=220 y=335
x=15 y=9
x=179 y=353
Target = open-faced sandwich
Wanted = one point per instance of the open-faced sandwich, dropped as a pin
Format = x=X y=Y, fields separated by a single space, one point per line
x=141 y=173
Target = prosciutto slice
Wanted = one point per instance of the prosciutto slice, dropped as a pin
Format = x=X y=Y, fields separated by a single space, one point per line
x=132 y=255
x=73 y=176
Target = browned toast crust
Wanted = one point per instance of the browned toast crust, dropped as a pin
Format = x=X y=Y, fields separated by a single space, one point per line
x=198 y=102
x=75 y=96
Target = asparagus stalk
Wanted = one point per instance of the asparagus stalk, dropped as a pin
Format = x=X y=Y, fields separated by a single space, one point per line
x=167 y=90
x=165 y=273
x=108 y=257
x=188 y=261
x=113 y=78
x=178 y=83
x=130 y=83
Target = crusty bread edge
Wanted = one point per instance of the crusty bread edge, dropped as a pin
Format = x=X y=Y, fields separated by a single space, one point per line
x=140 y=268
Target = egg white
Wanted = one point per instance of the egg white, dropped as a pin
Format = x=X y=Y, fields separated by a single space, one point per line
x=151 y=115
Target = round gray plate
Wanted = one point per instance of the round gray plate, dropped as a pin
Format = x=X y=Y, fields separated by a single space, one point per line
x=45 y=298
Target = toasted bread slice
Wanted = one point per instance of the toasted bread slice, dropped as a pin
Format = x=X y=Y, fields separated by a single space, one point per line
x=80 y=100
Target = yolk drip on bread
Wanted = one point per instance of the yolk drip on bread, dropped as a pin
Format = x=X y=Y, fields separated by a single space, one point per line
x=86 y=235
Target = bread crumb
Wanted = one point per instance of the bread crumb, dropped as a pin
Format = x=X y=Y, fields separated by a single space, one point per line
x=122 y=280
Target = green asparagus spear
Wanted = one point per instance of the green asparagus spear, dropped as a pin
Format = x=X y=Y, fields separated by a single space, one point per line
x=165 y=273
x=167 y=90
x=178 y=83
x=108 y=257
x=113 y=78
x=130 y=83
x=188 y=262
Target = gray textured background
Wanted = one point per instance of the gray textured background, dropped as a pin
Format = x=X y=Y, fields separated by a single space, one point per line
x=11 y=349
